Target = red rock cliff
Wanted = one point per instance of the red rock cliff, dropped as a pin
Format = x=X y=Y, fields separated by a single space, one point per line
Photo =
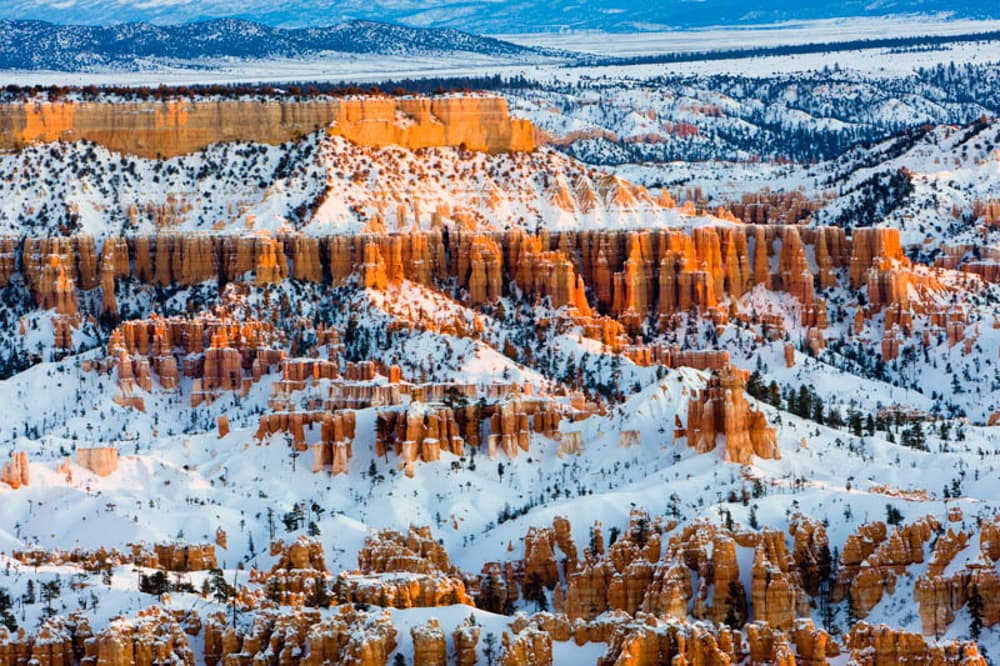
x=178 y=127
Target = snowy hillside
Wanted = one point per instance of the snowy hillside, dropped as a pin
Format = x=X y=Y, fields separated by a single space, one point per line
x=34 y=45
x=711 y=378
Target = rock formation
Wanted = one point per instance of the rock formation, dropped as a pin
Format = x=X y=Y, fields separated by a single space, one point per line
x=420 y=432
x=417 y=552
x=878 y=571
x=188 y=557
x=940 y=596
x=303 y=553
x=530 y=647
x=882 y=646
x=465 y=638
x=101 y=460
x=16 y=473
x=720 y=409
x=429 y=645
x=303 y=638
x=175 y=127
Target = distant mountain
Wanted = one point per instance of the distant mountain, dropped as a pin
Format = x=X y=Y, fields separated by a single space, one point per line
x=485 y=16
x=42 y=45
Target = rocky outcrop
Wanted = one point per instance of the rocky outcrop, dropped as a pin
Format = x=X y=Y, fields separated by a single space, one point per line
x=303 y=553
x=563 y=536
x=8 y=259
x=509 y=429
x=417 y=552
x=811 y=552
x=673 y=357
x=540 y=566
x=333 y=450
x=175 y=127
x=543 y=273
x=421 y=432
x=652 y=640
x=101 y=460
x=776 y=595
x=178 y=557
x=616 y=580
x=302 y=638
x=403 y=572
x=429 y=645
x=16 y=473
x=632 y=277
x=721 y=409
x=940 y=596
x=883 y=646
x=531 y=646
x=153 y=637
x=465 y=638
x=402 y=590
x=218 y=353
x=774 y=207
x=485 y=262
x=877 y=573
x=869 y=246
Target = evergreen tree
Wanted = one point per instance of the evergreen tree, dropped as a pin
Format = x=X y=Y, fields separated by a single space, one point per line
x=155 y=584
x=489 y=648
x=6 y=610
x=975 y=613
x=50 y=591
x=221 y=590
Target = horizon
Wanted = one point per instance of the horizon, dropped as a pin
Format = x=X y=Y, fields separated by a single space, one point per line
x=484 y=16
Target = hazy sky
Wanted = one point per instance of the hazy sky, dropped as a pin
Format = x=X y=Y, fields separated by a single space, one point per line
x=484 y=15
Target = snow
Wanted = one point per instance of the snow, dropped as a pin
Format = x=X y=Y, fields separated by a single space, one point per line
x=178 y=480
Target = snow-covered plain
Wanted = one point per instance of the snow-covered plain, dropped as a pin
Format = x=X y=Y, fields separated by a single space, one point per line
x=751 y=36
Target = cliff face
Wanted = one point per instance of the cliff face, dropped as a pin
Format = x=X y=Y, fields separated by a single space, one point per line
x=630 y=276
x=609 y=282
x=101 y=460
x=177 y=127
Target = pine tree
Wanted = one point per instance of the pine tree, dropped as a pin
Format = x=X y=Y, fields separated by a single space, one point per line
x=975 y=613
x=6 y=606
x=50 y=591
x=852 y=613
x=489 y=648
x=155 y=584
x=221 y=590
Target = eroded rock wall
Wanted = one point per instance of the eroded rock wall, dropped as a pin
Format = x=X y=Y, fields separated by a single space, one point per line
x=176 y=127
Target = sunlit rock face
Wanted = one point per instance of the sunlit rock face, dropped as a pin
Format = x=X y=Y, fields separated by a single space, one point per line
x=178 y=127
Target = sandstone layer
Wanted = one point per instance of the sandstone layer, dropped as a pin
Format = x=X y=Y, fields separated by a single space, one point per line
x=176 y=127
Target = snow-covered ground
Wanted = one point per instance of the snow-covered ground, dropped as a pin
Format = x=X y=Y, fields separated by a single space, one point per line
x=750 y=36
x=179 y=481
